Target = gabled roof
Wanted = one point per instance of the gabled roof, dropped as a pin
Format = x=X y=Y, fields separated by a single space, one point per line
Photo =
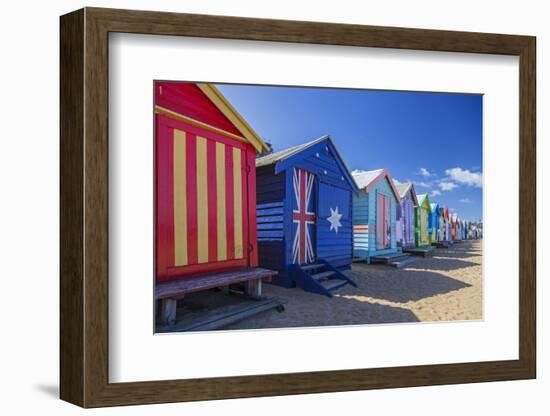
x=434 y=206
x=204 y=106
x=285 y=158
x=233 y=115
x=275 y=157
x=367 y=180
x=403 y=188
x=422 y=198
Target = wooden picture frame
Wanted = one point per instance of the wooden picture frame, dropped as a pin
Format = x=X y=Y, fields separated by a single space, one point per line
x=84 y=207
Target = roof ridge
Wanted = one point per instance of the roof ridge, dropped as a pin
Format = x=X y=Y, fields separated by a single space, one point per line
x=287 y=152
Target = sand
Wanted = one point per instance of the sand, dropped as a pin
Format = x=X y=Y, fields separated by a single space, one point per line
x=445 y=286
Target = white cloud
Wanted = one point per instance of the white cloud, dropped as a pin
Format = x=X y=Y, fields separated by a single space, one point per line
x=466 y=177
x=466 y=200
x=397 y=182
x=425 y=172
x=435 y=192
x=447 y=186
x=423 y=184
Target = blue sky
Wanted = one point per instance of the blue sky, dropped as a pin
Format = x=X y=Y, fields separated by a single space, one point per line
x=431 y=139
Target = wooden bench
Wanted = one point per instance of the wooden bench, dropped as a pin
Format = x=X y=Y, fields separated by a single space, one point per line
x=171 y=291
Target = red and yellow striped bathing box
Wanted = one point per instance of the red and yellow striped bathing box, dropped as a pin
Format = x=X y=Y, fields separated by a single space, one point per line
x=205 y=183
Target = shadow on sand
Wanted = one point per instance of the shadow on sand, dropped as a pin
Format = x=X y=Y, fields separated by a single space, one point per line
x=336 y=311
x=442 y=263
x=461 y=250
x=403 y=285
x=457 y=254
x=366 y=304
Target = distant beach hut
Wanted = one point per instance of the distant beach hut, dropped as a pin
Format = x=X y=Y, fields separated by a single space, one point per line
x=374 y=215
x=470 y=230
x=304 y=210
x=405 y=215
x=441 y=222
x=448 y=227
x=433 y=223
x=422 y=216
x=455 y=227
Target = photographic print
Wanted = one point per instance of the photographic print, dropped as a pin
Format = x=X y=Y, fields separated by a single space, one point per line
x=285 y=206
x=334 y=186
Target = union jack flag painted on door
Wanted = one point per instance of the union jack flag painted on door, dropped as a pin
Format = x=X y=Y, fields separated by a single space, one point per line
x=303 y=217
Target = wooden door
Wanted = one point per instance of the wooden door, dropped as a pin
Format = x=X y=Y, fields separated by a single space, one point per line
x=423 y=223
x=383 y=225
x=304 y=217
x=334 y=234
x=409 y=222
x=202 y=222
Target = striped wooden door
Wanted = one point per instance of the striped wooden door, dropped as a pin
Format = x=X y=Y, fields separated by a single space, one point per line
x=406 y=222
x=387 y=223
x=201 y=194
x=411 y=223
x=424 y=238
x=383 y=230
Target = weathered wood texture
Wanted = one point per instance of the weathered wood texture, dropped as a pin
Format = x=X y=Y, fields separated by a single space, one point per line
x=72 y=368
x=84 y=209
x=177 y=288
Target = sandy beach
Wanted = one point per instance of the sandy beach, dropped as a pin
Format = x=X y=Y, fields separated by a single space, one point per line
x=445 y=286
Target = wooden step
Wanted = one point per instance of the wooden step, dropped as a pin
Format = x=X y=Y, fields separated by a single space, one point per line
x=420 y=251
x=314 y=266
x=333 y=284
x=386 y=258
x=325 y=279
x=402 y=263
x=323 y=275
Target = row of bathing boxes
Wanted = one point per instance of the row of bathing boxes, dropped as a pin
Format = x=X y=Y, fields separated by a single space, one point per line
x=227 y=211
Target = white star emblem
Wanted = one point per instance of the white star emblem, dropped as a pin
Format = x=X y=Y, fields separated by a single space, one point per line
x=334 y=219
